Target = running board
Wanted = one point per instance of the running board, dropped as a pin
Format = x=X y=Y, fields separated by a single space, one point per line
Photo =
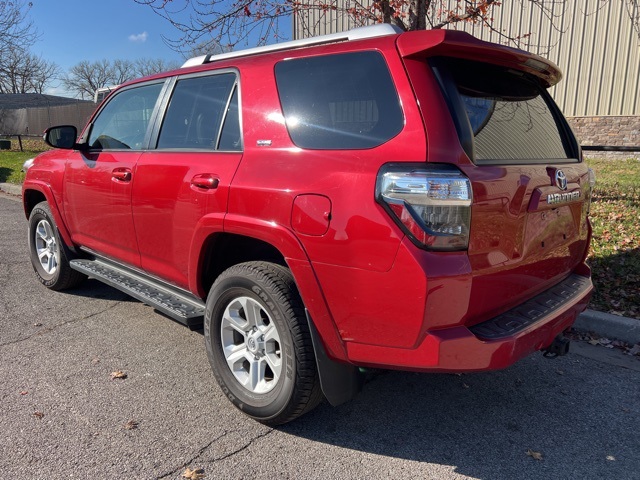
x=173 y=303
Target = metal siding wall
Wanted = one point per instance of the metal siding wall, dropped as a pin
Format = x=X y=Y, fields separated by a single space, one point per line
x=592 y=42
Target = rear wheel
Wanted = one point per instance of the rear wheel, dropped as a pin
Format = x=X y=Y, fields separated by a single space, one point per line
x=259 y=345
x=49 y=255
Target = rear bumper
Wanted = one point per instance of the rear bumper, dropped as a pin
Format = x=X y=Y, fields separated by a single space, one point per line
x=494 y=344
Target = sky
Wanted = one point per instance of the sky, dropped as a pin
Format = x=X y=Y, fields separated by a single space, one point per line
x=76 y=30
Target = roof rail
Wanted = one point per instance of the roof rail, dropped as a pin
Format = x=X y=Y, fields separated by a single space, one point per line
x=360 y=33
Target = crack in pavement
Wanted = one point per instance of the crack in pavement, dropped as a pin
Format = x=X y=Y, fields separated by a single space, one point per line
x=235 y=452
x=203 y=449
x=55 y=327
x=188 y=462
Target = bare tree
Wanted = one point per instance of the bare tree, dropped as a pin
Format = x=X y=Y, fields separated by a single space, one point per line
x=218 y=22
x=633 y=9
x=143 y=67
x=24 y=72
x=86 y=77
x=121 y=71
x=207 y=23
x=17 y=31
x=204 y=48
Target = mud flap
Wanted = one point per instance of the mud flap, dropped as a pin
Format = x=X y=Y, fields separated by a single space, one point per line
x=340 y=382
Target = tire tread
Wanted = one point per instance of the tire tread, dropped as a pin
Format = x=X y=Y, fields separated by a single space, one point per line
x=67 y=277
x=307 y=394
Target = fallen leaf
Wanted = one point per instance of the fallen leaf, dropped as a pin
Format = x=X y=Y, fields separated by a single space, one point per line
x=594 y=342
x=131 y=425
x=118 y=374
x=24 y=392
x=635 y=350
x=196 y=474
x=464 y=385
x=534 y=455
x=38 y=415
x=559 y=372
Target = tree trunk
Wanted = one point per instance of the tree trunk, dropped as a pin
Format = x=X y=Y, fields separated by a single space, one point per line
x=421 y=14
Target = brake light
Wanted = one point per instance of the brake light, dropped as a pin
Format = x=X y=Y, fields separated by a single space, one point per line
x=431 y=203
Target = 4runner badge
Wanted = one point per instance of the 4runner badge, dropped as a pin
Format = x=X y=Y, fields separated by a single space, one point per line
x=554 y=198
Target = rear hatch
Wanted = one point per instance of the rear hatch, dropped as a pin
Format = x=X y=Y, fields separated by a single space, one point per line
x=530 y=189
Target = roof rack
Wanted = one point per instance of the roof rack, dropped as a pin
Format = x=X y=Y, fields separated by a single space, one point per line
x=360 y=33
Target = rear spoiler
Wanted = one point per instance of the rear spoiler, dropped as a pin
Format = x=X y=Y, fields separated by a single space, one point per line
x=450 y=43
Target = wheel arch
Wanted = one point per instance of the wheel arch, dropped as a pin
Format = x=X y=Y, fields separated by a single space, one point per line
x=36 y=192
x=216 y=248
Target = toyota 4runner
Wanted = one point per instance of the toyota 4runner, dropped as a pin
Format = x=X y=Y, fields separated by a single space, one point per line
x=372 y=198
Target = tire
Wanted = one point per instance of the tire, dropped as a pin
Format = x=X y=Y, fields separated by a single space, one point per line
x=49 y=255
x=258 y=343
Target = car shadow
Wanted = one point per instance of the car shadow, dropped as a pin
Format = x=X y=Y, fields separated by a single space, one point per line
x=4 y=174
x=482 y=425
x=92 y=288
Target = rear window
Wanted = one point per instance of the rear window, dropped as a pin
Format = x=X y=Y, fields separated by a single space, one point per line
x=511 y=117
x=196 y=113
x=344 y=101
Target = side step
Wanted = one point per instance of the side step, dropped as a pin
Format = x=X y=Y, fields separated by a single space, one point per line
x=172 y=302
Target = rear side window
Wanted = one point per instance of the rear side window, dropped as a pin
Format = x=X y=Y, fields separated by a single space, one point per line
x=345 y=101
x=512 y=119
x=198 y=110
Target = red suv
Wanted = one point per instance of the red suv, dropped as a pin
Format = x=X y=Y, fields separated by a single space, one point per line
x=372 y=198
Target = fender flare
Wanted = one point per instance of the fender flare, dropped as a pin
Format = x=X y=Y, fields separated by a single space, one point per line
x=45 y=190
x=284 y=240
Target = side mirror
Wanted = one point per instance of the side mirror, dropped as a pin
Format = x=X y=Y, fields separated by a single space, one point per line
x=63 y=136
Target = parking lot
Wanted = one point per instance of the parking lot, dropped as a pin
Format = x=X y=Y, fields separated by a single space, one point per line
x=64 y=416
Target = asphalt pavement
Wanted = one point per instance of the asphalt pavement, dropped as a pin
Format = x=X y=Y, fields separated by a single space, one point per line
x=64 y=416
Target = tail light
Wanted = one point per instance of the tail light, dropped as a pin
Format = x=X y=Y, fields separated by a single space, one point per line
x=592 y=184
x=431 y=203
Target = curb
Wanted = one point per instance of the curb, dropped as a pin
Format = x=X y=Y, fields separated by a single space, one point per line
x=613 y=327
x=602 y=324
x=11 y=188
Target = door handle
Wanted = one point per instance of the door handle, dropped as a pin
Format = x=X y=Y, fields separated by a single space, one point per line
x=206 y=181
x=121 y=174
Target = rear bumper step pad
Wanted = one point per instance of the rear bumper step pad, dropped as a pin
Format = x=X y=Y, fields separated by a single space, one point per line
x=534 y=310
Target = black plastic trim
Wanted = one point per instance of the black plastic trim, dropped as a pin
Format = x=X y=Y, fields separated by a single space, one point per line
x=340 y=382
x=186 y=309
x=534 y=310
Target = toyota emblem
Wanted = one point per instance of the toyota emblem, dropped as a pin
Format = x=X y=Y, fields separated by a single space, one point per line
x=561 y=180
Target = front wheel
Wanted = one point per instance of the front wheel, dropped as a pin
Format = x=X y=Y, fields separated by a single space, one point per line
x=259 y=345
x=49 y=255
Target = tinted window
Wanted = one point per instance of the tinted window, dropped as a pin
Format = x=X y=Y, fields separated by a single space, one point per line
x=510 y=115
x=345 y=101
x=196 y=112
x=123 y=122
